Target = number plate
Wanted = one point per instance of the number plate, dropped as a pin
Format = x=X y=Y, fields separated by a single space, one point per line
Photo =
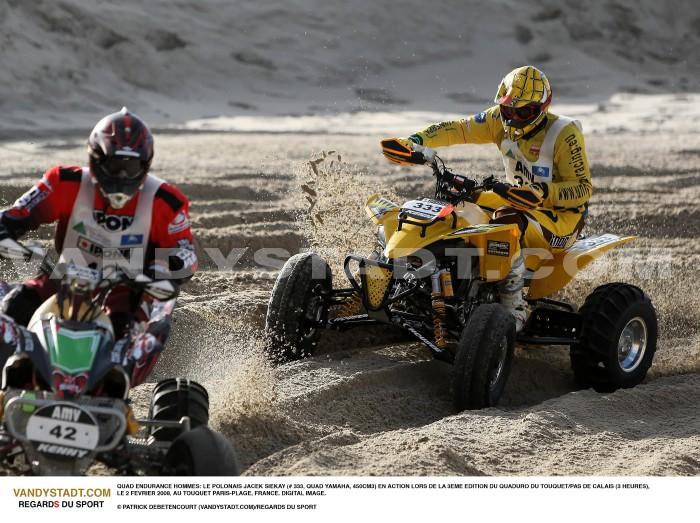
x=427 y=209
x=64 y=424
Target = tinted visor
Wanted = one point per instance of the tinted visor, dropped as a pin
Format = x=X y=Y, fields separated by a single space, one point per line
x=118 y=174
x=521 y=114
x=122 y=168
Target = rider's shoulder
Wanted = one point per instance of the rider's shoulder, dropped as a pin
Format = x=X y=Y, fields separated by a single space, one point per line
x=571 y=126
x=172 y=197
x=488 y=115
x=60 y=174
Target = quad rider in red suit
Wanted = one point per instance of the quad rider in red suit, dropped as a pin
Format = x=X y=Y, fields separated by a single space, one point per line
x=110 y=209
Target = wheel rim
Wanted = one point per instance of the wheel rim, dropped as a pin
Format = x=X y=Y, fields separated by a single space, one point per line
x=313 y=315
x=500 y=363
x=632 y=344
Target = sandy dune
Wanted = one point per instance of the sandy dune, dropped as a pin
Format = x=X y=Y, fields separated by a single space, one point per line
x=64 y=61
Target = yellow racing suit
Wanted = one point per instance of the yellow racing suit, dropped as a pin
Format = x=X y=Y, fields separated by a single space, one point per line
x=553 y=157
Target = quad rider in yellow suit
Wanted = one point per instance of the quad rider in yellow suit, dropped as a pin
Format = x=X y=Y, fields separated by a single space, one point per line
x=548 y=182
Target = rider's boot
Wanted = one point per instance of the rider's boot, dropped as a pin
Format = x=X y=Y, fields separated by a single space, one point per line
x=511 y=293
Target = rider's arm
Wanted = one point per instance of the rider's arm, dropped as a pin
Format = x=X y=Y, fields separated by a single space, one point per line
x=49 y=200
x=171 y=236
x=572 y=184
x=482 y=127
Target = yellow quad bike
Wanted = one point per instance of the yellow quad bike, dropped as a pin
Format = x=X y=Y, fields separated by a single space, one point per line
x=435 y=274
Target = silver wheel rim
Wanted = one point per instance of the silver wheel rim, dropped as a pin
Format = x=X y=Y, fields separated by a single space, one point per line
x=632 y=344
x=314 y=313
x=498 y=369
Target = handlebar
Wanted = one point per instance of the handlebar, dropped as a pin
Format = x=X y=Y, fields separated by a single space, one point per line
x=102 y=281
x=456 y=188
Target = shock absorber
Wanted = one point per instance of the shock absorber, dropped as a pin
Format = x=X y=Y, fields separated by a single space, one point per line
x=352 y=307
x=438 y=303
x=446 y=282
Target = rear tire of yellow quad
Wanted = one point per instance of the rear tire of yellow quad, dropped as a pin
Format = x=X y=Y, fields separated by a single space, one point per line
x=294 y=305
x=484 y=357
x=618 y=339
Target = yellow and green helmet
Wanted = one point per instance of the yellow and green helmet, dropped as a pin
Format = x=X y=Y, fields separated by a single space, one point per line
x=524 y=96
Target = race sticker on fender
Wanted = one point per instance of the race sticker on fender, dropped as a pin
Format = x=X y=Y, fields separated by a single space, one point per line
x=54 y=427
x=498 y=248
x=425 y=208
x=179 y=223
x=380 y=206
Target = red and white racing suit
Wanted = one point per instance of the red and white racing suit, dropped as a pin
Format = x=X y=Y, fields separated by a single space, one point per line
x=151 y=234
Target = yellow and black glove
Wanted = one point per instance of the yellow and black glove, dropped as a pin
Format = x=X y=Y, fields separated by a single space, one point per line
x=522 y=197
x=405 y=152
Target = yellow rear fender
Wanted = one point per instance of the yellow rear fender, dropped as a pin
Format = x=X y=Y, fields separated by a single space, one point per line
x=555 y=273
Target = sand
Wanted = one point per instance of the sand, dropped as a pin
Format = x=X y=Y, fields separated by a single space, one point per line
x=366 y=404
x=243 y=96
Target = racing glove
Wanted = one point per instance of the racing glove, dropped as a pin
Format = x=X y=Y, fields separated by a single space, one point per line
x=406 y=152
x=521 y=197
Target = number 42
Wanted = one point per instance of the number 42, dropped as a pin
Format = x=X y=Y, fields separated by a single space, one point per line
x=61 y=432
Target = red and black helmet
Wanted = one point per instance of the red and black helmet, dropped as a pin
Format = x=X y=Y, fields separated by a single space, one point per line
x=121 y=150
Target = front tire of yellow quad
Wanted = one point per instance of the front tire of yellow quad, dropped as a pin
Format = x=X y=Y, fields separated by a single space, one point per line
x=618 y=340
x=484 y=357
x=298 y=303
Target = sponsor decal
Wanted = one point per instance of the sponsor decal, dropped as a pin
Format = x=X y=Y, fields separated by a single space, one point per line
x=131 y=239
x=576 y=152
x=112 y=222
x=185 y=244
x=117 y=350
x=540 y=171
x=521 y=168
x=415 y=138
x=72 y=385
x=88 y=246
x=480 y=117
x=27 y=340
x=188 y=257
x=95 y=234
x=497 y=248
x=8 y=331
x=60 y=450
x=180 y=223
x=98 y=251
x=62 y=430
x=31 y=198
x=559 y=242
x=479 y=227
x=117 y=254
x=436 y=127
x=596 y=241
